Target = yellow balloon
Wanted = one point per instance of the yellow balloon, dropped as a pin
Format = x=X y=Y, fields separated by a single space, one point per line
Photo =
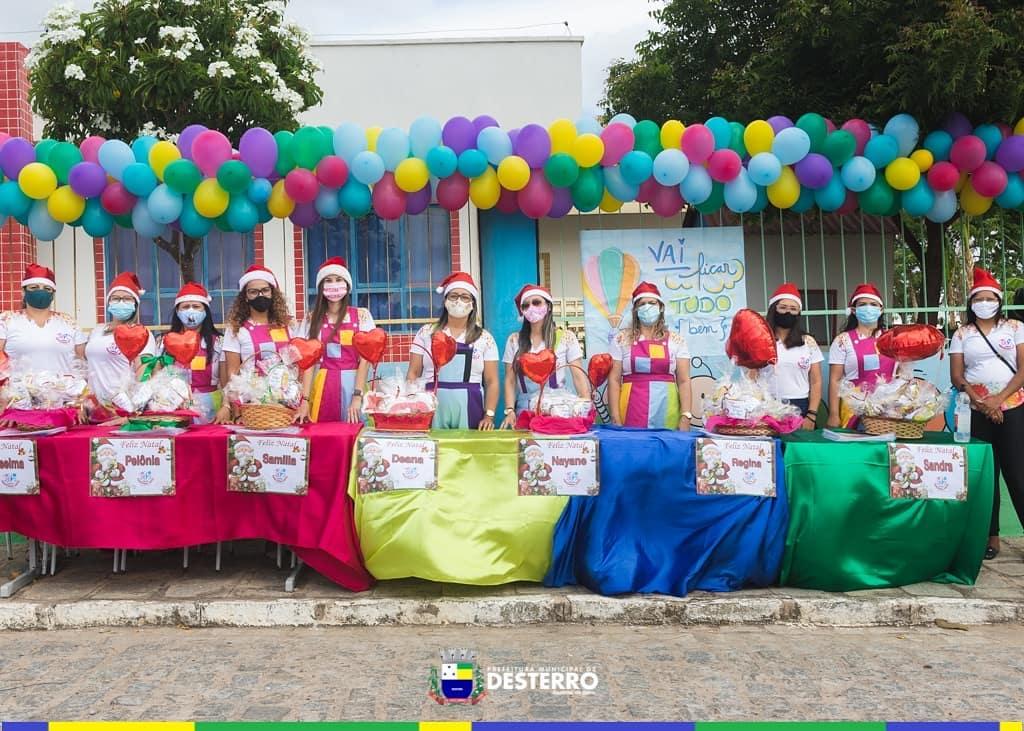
x=973 y=203
x=37 y=181
x=210 y=199
x=672 y=134
x=758 y=137
x=485 y=190
x=609 y=203
x=412 y=174
x=1019 y=128
x=588 y=149
x=785 y=191
x=961 y=182
x=372 y=133
x=161 y=155
x=923 y=159
x=562 y=133
x=902 y=173
x=279 y=204
x=513 y=172
x=65 y=205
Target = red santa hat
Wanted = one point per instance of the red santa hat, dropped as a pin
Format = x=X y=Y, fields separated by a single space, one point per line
x=787 y=291
x=193 y=292
x=646 y=289
x=985 y=282
x=458 y=280
x=531 y=290
x=334 y=266
x=126 y=282
x=866 y=291
x=254 y=273
x=38 y=274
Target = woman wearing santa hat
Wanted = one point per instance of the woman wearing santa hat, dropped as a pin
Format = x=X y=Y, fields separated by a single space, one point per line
x=334 y=390
x=46 y=339
x=986 y=361
x=539 y=333
x=462 y=403
x=649 y=384
x=797 y=377
x=854 y=353
x=192 y=312
x=108 y=368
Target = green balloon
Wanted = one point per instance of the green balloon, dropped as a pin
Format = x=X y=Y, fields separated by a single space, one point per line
x=64 y=156
x=588 y=189
x=327 y=143
x=308 y=147
x=263 y=213
x=805 y=202
x=125 y=221
x=285 y=158
x=222 y=223
x=182 y=176
x=234 y=176
x=647 y=137
x=839 y=147
x=610 y=269
x=736 y=141
x=561 y=170
x=814 y=125
x=878 y=199
x=714 y=201
x=43 y=149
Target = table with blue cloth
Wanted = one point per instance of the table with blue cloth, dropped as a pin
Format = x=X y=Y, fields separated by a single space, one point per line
x=649 y=530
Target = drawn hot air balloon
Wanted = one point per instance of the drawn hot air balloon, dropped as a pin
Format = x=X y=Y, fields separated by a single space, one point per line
x=609 y=279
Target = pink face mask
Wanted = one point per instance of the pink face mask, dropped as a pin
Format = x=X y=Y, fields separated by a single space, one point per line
x=335 y=291
x=535 y=314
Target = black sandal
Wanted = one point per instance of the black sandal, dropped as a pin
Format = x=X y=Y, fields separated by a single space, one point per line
x=991 y=553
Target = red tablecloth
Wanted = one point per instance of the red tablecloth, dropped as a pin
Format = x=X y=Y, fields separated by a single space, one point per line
x=318 y=525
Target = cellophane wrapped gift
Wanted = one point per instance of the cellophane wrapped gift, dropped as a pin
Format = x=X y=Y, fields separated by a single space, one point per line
x=908 y=399
x=42 y=399
x=743 y=398
x=562 y=403
x=272 y=380
x=400 y=405
x=167 y=391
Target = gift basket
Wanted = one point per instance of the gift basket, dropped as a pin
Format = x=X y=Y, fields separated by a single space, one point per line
x=397 y=405
x=163 y=399
x=741 y=404
x=557 y=411
x=35 y=400
x=267 y=391
x=902 y=406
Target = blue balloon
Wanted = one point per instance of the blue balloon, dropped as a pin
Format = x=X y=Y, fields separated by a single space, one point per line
x=442 y=162
x=191 y=222
x=858 y=174
x=881 y=150
x=740 y=193
x=260 y=190
x=636 y=167
x=762 y=200
x=242 y=214
x=165 y=205
x=139 y=179
x=328 y=203
x=115 y=156
x=355 y=199
x=791 y=145
x=671 y=166
x=12 y=201
x=918 y=200
x=495 y=143
x=805 y=202
x=905 y=130
x=41 y=223
x=1013 y=195
x=141 y=147
x=95 y=221
x=992 y=138
x=393 y=147
x=143 y=222
x=367 y=167
x=424 y=136
x=944 y=207
x=585 y=125
x=764 y=168
x=833 y=195
x=721 y=130
x=349 y=141
x=618 y=186
x=697 y=185
x=939 y=143
x=623 y=118
x=472 y=163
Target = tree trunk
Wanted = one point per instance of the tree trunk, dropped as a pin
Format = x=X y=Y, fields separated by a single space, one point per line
x=184 y=250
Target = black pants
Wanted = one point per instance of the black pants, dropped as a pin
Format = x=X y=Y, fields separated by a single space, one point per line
x=1007 y=440
x=801 y=403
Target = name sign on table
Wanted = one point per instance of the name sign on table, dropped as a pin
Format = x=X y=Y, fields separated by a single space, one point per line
x=268 y=464
x=384 y=464
x=131 y=467
x=558 y=467
x=735 y=467
x=928 y=471
x=19 y=474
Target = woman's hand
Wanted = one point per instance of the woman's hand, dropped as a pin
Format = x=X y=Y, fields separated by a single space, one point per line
x=684 y=424
x=301 y=413
x=116 y=421
x=833 y=420
x=990 y=403
x=510 y=420
x=354 y=408
x=808 y=424
x=486 y=423
x=223 y=415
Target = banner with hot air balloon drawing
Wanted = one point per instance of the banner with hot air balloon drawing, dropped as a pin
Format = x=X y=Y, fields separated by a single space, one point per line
x=700 y=272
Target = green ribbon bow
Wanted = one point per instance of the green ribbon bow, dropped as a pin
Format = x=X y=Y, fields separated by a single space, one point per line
x=152 y=361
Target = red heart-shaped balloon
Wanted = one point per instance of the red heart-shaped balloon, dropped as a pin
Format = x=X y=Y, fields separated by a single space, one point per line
x=598 y=368
x=131 y=340
x=538 y=367
x=182 y=346
x=905 y=343
x=309 y=351
x=751 y=341
x=371 y=344
x=442 y=349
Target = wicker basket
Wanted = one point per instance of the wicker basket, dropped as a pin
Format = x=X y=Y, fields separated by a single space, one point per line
x=402 y=422
x=746 y=431
x=902 y=428
x=265 y=416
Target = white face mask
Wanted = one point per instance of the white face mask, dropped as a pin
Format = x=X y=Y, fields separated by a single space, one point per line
x=458 y=308
x=985 y=309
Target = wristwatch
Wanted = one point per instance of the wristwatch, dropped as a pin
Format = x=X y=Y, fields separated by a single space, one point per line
x=489 y=413
x=357 y=392
x=687 y=415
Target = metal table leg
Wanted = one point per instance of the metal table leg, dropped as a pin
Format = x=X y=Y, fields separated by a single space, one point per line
x=10 y=547
x=217 y=560
x=184 y=561
x=25 y=577
x=289 y=583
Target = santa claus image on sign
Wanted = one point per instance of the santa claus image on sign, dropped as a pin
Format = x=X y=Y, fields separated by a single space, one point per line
x=534 y=473
x=107 y=476
x=373 y=469
x=244 y=468
x=712 y=471
x=906 y=479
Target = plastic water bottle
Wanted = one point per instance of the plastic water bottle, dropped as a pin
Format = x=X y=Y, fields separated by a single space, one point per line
x=962 y=419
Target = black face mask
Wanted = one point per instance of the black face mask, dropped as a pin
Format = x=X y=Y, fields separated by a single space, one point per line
x=260 y=304
x=786 y=319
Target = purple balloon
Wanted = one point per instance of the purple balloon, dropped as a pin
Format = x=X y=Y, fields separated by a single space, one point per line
x=513 y=136
x=305 y=215
x=88 y=179
x=482 y=122
x=419 y=201
x=458 y=134
x=779 y=122
x=533 y=145
x=16 y=153
x=1011 y=153
x=187 y=137
x=258 y=150
x=561 y=204
x=814 y=171
x=958 y=125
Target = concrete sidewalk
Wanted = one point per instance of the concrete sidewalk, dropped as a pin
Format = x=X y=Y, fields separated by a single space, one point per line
x=248 y=592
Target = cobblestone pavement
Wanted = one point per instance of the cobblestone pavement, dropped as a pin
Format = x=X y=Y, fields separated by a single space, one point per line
x=652 y=673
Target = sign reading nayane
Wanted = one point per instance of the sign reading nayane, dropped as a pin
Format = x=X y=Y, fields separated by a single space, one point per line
x=735 y=467
x=558 y=466
x=268 y=464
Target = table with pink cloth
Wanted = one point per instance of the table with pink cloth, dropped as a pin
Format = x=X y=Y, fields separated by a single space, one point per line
x=319 y=526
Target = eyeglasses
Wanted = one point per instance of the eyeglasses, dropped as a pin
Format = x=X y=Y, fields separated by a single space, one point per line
x=538 y=302
x=122 y=300
x=254 y=293
x=466 y=298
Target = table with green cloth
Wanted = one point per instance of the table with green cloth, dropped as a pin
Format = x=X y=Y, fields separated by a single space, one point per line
x=847 y=533
x=474 y=528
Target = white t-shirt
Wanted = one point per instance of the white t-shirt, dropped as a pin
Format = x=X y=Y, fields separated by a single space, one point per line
x=108 y=368
x=981 y=366
x=485 y=350
x=218 y=356
x=621 y=346
x=791 y=378
x=241 y=341
x=568 y=350
x=51 y=347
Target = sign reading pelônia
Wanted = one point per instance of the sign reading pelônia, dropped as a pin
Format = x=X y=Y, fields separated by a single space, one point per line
x=131 y=467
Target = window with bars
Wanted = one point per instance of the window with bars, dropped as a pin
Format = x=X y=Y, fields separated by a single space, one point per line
x=395 y=265
x=216 y=262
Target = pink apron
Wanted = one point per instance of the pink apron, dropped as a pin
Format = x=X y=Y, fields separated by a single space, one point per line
x=336 y=377
x=871 y=365
x=650 y=398
x=266 y=339
x=206 y=397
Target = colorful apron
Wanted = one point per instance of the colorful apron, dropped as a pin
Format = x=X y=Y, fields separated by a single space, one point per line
x=460 y=404
x=335 y=378
x=266 y=339
x=527 y=387
x=206 y=397
x=649 y=397
x=870 y=365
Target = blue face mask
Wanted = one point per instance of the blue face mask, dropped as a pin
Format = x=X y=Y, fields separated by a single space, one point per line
x=122 y=311
x=868 y=314
x=192 y=318
x=648 y=314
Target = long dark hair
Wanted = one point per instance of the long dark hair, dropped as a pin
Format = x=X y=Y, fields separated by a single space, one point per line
x=548 y=331
x=796 y=335
x=319 y=312
x=277 y=316
x=972 y=319
x=207 y=330
x=660 y=331
x=473 y=329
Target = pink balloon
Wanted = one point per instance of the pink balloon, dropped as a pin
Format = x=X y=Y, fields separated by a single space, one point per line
x=90 y=148
x=830 y=125
x=507 y=202
x=301 y=185
x=388 y=198
x=667 y=200
x=618 y=140
x=116 y=200
x=968 y=153
x=647 y=189
x=698 y=143
x=861 y=132
x=1004 y=129
x=453 y=192
x=943 y=176
x=332 y=171
x=849 y=205
x=538 y=195
x=210 y=149
x=724 y=165
x=989 y=179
